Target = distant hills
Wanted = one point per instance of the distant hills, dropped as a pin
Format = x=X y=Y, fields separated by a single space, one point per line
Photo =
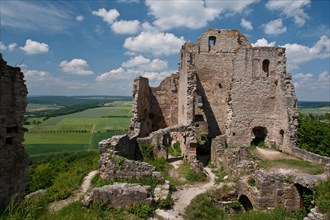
x=75 y=100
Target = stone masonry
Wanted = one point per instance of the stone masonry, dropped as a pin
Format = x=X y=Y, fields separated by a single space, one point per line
x=13 y=159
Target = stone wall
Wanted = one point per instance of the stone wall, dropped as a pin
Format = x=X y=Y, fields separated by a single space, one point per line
x=161 y=139
x=309 y=156
x=164 y=103
x=141 y=104
x=272 y=189
x=242 y=88
x=112 y=164
x=119 y=195
x=13 y=159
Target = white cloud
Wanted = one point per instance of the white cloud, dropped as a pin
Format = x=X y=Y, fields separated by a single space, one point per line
x=3 y=46
x=294 y=9
x=125 y=27
x=34 y=47
x=80 y=18
x=145 y=64
x=311 y=87
x=263 y=43
x=119 y=73
x=35 y=73
x=75 y=66
x=31 y=15
x=297 y=53
x=128 y=1
x=107 y=16
x=12 y=46
x=246 y=24
x=192 y=14
x=154 y=42
x=275 y=27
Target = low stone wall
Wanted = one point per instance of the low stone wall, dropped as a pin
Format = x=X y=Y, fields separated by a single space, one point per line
x=161 y=139
x=124 y=145
x=113 y=166
x=270 y=189
x=117 y=167
x=309 y=156
x=119 y=195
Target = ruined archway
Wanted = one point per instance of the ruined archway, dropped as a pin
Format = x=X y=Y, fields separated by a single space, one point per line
x=306 y=197
x=246 y=203
x=259 y=133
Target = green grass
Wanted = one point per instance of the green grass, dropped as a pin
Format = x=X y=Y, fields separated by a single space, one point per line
x=315 y=111
x=97 y=137
x=57 y=138
x=38 y=149
x=31 y=107
x=62 y=128
x=301 y=165
x=101 y=124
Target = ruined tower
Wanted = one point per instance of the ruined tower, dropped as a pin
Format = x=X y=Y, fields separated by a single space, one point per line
x=13 y=159
x=224 y=89
x=245 y=92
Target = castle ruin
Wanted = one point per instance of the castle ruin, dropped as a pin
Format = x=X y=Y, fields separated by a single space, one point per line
x=225 y=89
x=13 y=159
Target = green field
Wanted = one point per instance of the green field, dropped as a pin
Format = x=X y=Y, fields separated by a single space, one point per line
x=315 y=111
x=80 y=131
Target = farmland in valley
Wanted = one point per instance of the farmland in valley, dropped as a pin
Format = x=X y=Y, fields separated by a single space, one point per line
x=80 y=131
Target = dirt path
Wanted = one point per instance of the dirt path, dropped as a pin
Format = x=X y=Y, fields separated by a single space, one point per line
x=57 y=205
x=269 y=154
x=183 y=197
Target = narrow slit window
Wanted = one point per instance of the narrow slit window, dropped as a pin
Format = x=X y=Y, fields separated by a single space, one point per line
x=265 y=67
x=212 y=41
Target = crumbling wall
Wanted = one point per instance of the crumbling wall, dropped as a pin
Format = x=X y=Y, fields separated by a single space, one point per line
x=270 y=189
x=140 y=121
x=114 y=166
x=119 y=195
x=164 y=103
x=161 y=139
x=13 y=159
x=261 y=96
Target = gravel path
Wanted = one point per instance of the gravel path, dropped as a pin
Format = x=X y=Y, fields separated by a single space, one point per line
x=57 y=205
x=183 y=198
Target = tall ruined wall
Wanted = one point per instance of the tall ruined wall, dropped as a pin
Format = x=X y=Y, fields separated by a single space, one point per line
x=261 y=97
x=211 y=60
x=243 y=89
x=140 y=120
x=164 y=103
x=13 y=159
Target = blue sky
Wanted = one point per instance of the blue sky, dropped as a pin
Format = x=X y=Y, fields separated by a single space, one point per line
x=99 y=47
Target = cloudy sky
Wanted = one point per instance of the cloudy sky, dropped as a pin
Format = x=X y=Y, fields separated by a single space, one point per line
x=99 y=47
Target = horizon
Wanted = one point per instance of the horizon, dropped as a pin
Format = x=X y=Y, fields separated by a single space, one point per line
x=82 y=47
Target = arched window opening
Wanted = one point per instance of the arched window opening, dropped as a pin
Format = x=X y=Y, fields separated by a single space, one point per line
x=265 y=67
x=306 y=197
x=260 y=134
x=246 y=203
x=282 y=136
x=212 y=41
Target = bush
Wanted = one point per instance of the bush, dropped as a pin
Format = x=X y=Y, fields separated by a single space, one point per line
x=143 y=211
x=322 y=196
x=202 y=207
x=175 y=149
x=167 y=203
x=147 y=151
x=251 y=181
x=314 y=134
x=192 y=175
